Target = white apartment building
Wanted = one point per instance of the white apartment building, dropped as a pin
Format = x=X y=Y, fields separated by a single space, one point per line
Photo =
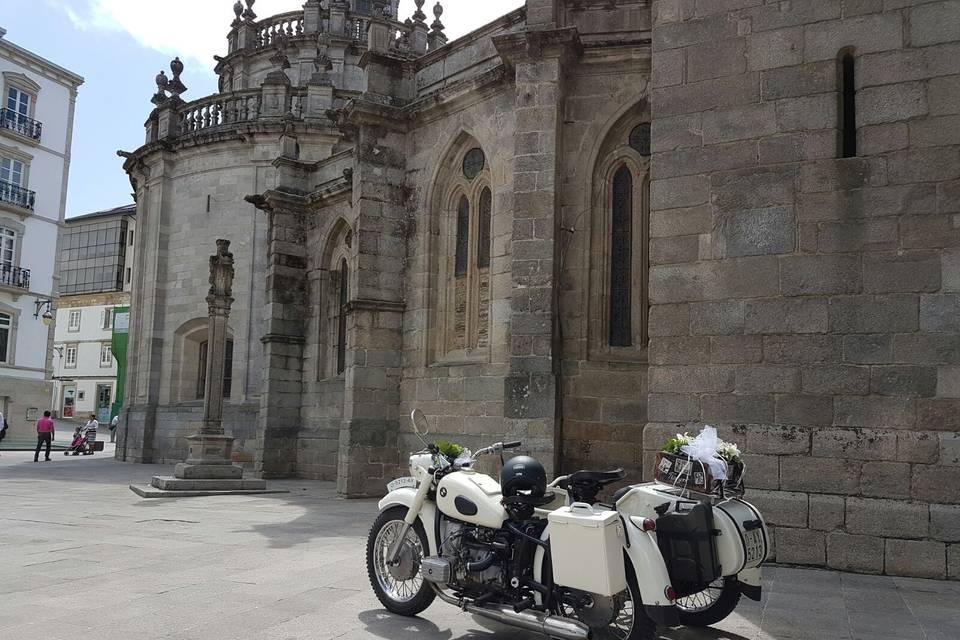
x=36 y=130
x=96 y=271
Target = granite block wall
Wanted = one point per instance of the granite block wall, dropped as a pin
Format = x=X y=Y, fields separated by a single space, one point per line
x=817 y=322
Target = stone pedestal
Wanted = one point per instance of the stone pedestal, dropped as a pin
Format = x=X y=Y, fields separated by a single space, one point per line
x=208 y=470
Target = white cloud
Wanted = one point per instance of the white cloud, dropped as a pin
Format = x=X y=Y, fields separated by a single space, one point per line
x=196 y=29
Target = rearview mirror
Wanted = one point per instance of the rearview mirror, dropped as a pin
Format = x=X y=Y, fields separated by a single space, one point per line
x=420 y=425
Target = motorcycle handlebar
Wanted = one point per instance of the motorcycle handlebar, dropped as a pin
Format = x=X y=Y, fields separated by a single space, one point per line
x=494 y=449
x=497 y=448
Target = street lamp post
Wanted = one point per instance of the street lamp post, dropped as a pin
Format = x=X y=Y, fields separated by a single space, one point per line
x=47 y=305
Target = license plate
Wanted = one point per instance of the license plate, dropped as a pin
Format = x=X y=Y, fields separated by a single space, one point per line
x=756 y=549
x=402 y=483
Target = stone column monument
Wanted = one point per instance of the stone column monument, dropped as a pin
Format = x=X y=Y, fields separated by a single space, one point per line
x=209 y=469
x=211 y=448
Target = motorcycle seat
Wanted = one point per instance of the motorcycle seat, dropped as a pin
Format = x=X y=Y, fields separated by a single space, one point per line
x=583 y=486
x=597 y=477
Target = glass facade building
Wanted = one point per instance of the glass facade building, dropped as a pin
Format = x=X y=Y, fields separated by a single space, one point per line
x=92 y=257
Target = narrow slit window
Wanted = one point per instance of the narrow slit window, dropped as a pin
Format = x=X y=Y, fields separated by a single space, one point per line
x=342 y=319
x=202 y=371
x=848 y=107
x=463 y=236
x=228 y=370
x=483 y=250
x=621 y=258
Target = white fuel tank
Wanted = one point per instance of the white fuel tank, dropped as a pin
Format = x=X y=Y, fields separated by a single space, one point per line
x=472 y=497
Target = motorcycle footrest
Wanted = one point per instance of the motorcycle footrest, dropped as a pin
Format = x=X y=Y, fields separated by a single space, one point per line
x=524 y=604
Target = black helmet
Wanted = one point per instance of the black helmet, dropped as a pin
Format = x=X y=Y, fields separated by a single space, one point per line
x=523 y=475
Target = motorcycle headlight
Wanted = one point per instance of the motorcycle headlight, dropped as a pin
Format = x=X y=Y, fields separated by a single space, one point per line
x=423 y=459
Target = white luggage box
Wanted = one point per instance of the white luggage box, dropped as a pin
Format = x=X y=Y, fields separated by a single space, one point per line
x=586 y=546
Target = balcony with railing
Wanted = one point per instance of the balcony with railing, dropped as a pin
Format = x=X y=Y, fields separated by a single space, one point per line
x=14 y=194
x=11 y=120
x=14 y=277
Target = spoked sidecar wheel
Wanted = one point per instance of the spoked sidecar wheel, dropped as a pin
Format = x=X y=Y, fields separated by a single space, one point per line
x=711 y=605
x=619 y=617
x=399 y=587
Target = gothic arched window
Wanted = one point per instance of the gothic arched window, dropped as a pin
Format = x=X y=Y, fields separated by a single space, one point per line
x=618 y=251
x=333 y=292
x=469 y=221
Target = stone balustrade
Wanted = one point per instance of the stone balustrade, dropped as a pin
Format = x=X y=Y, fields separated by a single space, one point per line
x=236 y=108
x=357 y=28
x=271 y=31
x=285 y=25
x=220 y=109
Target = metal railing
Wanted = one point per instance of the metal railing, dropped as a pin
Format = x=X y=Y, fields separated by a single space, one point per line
x=14 y=277
x=19 y=123
x=16 y=195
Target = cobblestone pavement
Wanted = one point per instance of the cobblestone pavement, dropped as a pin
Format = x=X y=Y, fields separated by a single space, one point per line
x=83 y=558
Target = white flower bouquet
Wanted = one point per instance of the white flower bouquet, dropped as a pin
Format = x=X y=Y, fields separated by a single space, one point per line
x=703 y=463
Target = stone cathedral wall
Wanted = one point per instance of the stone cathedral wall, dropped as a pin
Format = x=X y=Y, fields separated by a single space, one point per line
x=465 y=399
x=197 y=199
x=604 y=399
x=816 y=317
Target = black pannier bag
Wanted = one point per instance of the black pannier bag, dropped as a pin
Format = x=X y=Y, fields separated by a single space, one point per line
x=686 y=542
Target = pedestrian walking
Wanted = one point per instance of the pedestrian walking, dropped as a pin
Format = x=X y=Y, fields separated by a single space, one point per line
x=113 y=427
x=3 y=427
x=90 y=430
x=46 y=431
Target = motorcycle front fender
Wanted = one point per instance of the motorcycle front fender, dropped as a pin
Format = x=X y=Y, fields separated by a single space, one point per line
x=407 y=497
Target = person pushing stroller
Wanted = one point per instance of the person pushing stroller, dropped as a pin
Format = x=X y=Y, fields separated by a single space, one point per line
x=83 y=438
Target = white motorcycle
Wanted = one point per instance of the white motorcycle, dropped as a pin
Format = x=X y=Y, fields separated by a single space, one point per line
x=550 y=558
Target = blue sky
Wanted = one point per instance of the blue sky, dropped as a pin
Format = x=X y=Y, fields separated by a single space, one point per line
x=119 y=46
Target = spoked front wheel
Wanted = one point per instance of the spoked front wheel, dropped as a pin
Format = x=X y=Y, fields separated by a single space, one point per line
x=398 y=585
x=711 y=605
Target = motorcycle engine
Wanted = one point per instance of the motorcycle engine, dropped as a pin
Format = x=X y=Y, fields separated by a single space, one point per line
x=472 y=552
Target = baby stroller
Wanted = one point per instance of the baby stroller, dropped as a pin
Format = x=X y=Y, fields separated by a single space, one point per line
x=83 y=442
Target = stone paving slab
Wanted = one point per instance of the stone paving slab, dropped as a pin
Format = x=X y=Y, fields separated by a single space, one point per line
x=83 y=558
